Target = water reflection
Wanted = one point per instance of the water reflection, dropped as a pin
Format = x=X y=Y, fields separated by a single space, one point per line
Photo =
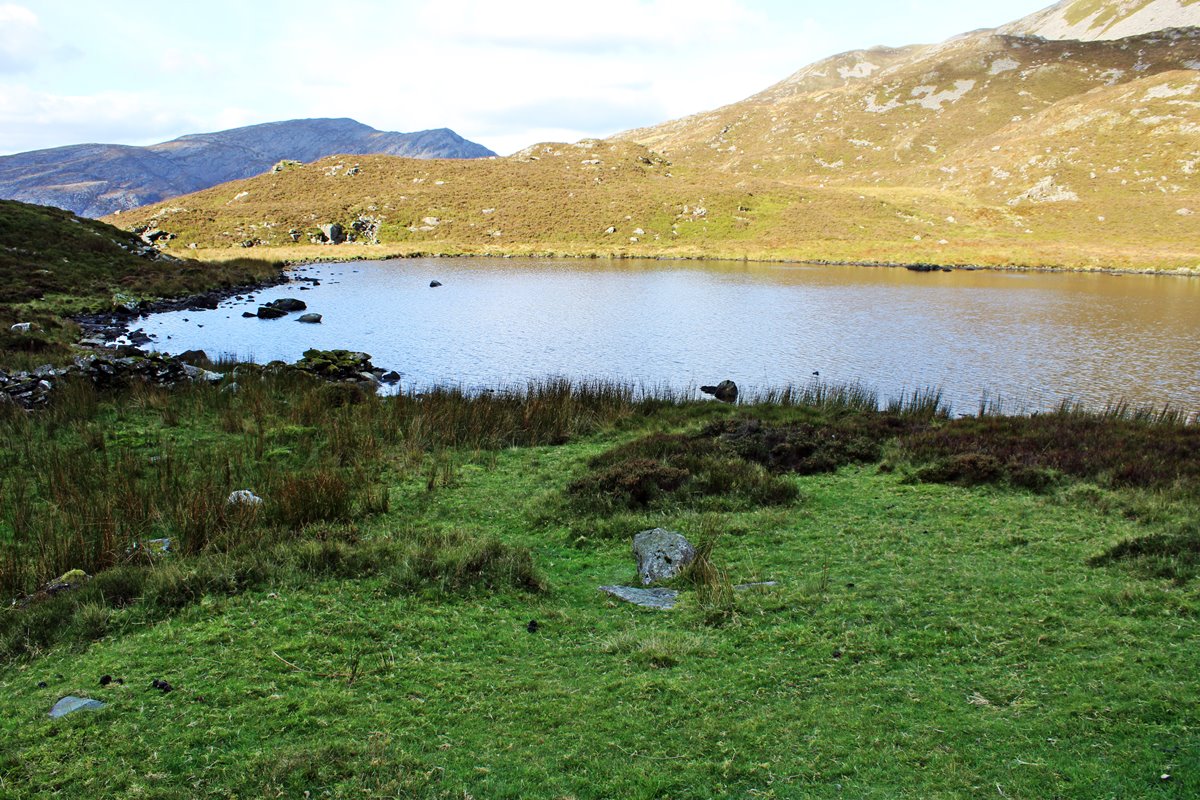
x=1032 y=338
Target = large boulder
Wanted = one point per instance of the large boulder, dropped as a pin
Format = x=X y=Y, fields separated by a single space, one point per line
x=661 y=554
x=197 y=358
x=288 y=304
x=269 y=312
x=725 y=391
x=310 y=318
x=333 y=233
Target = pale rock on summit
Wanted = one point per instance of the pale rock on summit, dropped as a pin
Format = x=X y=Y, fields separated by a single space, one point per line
x=1094 y=20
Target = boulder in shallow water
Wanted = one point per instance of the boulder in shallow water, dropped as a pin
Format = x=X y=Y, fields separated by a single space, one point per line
x=267 y=312
x=311 y=318
x=288 y=304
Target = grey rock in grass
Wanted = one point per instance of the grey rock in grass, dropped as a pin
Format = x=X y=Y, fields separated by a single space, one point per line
x=661 y=554
x=198 y=374
x=70 y=704
x=22 y=327
x=311 y=318
x=726 y=391
x=663 y=599
x=244 y=497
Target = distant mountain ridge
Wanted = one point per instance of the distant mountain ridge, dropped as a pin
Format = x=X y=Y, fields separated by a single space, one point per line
x=94 y=180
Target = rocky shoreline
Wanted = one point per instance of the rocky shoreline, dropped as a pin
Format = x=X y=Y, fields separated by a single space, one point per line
x=115 y=356
x=113 y=329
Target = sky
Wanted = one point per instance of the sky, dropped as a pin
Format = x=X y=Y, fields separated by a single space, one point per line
x=504 y=74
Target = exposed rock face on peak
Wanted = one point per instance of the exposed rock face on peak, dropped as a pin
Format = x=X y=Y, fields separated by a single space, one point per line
x=872 y=116
x=98 y=179
x=1091 y=20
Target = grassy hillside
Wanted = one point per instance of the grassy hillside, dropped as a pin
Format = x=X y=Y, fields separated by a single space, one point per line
x=53 y=263
x=979 y=150
x=960 y=606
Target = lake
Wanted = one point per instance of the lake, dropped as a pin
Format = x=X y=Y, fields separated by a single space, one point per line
x=1029 y=338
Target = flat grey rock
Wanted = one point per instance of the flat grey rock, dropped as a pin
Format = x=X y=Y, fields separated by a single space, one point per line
x=646 y=598
x=71 y=704
x=741 y=587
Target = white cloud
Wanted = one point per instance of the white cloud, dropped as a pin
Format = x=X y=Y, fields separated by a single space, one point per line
x=555 y=25
x=32 y=120
x=180 y=61
x=509 y=78
x=21 y=38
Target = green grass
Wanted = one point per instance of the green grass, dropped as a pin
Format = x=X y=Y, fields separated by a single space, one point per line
x=925 y=639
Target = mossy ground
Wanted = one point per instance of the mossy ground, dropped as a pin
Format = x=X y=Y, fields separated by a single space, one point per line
x=924 y=640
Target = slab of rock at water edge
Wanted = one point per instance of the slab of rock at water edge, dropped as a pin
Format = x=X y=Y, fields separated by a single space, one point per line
x=646 y=598
x=725 y=391
x=339 y=365
x=661 y=554
x=197 y=358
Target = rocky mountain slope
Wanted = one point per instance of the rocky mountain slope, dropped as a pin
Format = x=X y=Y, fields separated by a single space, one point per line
x=989 y=148
x=1090 y=20
x=98 y=179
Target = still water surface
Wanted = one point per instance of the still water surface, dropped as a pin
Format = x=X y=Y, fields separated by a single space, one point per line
x=1031 y=339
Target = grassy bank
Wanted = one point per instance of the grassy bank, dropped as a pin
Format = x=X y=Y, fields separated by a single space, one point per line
x=964 y=607
x=54 y=265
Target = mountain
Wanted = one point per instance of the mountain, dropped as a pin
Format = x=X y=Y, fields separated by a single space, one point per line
x=1090 y=20
x=98 y=179
x=990 y=148
x=872 y=116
